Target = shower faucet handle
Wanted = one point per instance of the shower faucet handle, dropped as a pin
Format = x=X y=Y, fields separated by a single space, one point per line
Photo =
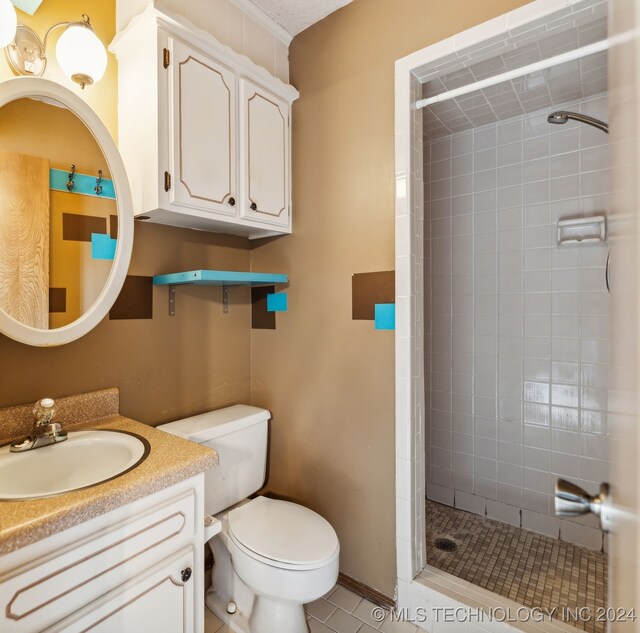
x=572 y=501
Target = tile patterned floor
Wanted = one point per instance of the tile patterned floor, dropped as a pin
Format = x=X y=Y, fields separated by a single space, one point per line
x=340 y=611
x=531 y=569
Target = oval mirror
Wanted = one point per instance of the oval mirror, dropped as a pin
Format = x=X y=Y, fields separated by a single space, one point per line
x=66 y=218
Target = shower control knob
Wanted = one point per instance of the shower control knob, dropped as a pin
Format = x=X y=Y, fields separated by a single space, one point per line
x=572 y=501
x=185 y=574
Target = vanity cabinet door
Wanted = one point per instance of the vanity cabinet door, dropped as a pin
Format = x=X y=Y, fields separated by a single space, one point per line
x=265 y=155
x=160 y=600
x=202 y=132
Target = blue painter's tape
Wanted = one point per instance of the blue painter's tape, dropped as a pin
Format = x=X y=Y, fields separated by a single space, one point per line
x=277 y=302
x=28 y=6
x=385 y=316
x=83 y=184
x=103 y=246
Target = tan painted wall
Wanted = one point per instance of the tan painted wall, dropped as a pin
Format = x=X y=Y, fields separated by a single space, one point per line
x=167 y=367
x=330 y=380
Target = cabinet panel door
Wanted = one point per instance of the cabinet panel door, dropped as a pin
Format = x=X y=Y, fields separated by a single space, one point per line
x=264 y=143
x=203 y=130
x=37 y=595
x=158 y=600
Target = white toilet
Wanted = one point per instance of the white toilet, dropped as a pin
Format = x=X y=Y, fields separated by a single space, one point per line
x=272 y=556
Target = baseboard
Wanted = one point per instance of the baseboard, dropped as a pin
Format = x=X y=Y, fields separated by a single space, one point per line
x=366 y=592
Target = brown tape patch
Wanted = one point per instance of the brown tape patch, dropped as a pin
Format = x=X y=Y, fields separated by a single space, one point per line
x=57 y=300
x=78 y=228
x=113 y=227
x=135 y=300
x=260 y=318
x=367 y=289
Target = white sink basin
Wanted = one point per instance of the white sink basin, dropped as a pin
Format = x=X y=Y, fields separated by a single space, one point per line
x=86 y=458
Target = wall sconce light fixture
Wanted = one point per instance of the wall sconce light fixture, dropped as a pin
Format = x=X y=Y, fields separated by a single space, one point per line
x=80 y=53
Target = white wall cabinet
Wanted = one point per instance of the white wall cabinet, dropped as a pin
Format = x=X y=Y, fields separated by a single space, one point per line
x=264 y=147
x=202 y=126
x=204 y=132
x=137 y=568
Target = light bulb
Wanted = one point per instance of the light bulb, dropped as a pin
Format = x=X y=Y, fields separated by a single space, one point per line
x=81 y=54
x=8 y=23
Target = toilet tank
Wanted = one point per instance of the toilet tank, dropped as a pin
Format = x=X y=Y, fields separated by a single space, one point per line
x=239 y=435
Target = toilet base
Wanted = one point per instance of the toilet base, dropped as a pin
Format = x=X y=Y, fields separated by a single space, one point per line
x=254 y=614
x=236 y=622
x=284 y=617
x=267 y=616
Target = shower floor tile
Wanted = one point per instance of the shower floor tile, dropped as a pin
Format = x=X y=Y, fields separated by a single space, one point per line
x=528 y=568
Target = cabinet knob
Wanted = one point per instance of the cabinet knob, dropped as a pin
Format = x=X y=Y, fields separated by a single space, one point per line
x=185 y=574
x=231 y=201
x=254 y=206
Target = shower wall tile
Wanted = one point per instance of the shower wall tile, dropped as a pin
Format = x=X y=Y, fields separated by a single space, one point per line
x=517 y=328
x=470 y=503
x=540 y=523
x=581 y=535
x=440 y=494
x=503 y=512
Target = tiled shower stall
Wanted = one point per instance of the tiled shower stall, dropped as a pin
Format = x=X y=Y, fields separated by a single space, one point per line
x=516 y=341
x=507 y=369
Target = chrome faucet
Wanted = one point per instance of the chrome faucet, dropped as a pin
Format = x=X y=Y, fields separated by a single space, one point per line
x=45 y=431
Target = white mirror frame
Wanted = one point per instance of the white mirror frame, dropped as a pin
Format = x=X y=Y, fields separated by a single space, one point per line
x=25 y=87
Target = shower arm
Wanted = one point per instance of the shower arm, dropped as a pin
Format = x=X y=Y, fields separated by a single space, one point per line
x=589 y=120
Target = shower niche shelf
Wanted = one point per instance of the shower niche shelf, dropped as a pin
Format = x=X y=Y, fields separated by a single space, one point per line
x=577 y=231
x=220 y=278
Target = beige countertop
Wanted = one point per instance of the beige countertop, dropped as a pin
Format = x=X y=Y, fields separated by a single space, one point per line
x=170 y=460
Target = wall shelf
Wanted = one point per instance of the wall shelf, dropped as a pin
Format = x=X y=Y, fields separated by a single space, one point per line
x=219 y=278
x=222 y=278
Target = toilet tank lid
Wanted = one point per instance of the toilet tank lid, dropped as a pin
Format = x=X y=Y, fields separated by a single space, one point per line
x=207 y=426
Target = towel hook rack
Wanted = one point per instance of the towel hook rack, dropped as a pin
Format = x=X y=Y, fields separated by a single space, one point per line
x=72 y=174
x=98 y=187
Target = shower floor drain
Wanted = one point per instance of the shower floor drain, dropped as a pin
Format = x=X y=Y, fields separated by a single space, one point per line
x=445 y=544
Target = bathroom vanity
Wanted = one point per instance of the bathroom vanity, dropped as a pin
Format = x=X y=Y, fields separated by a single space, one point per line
x=125 y=555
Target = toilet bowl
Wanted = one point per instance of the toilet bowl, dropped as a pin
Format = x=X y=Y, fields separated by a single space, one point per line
x=285 y=555
x=272 y=556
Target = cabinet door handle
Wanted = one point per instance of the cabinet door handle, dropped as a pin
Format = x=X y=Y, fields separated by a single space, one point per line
x=185 y=574
x=231 y=201
x=254 y=206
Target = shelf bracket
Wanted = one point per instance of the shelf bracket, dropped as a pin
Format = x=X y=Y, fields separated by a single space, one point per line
x=172 y=301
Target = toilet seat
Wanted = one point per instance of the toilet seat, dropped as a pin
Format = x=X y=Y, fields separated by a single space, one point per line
x=283 y=534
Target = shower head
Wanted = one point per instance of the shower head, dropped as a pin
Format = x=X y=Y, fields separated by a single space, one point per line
x=562 y=116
